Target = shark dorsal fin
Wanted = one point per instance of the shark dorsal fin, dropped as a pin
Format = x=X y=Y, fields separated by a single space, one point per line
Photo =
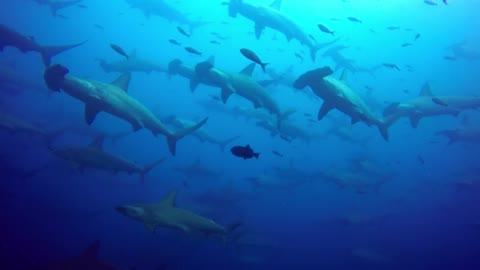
x=426 y=91
x=170 y=199
x=248 y=70
x=344 y=76
x=91 y=253
x=276 y=4
x=97 y=142
x=123 y=81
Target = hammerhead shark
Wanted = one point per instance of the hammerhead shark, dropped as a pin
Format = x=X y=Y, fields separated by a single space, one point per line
x=132 y=64
x=270 y=16
x=56 y=5
x=336 y=94
x=10 y=37
x=424 y=106
x=113 y=98
x=93 y=156
x=166 y=214
x=466 y=135
x=162 y=9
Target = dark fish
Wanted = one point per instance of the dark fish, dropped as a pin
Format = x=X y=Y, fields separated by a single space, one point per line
x=276 y=153
x=192 y=51
x=450 y=58
x=285 y=138
x=185 y=184
x=445 y=2
x=417 y=36
x=368 y=87
x=406 y=91
x=81 y=6
x=334 y=19
x=174 y=42
x=406 y=44
x=324 y=29
x=62 y=17
x=299 y=56
x=182 y=31
x=253 y=57
x=390 y=65
x=119 y=50
x=307 y=114
x=245 y=152
x=215 y=42
x=99 y=26
x=391 y=28
x=310 y=36
x=420 y=159
x=439 y=102
x=429 y=2
x=353 y=19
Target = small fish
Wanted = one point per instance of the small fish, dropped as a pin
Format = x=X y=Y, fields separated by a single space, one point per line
x=390 y=65
x=391 y=28
x=253 y=57
x=368 y=87
x=334 y=19
x=310 y=36
x=119 y=50
x=406 y=91
x=276 y=153
x=420 y=159
x=299 y=56
x=439 y=102
x=81 y=6
x=406 y=44
x=245 y=152
x=185 y=184
x=429 y=2
x=174 y=42
x=215 y=42
x=99 y=26
x=417 y=36
x=182 y=31
x=324 y=29
x=450 y=58
x=62 y=17
x=285 y=138
x=308 y=114
x=192 y=51
x=353 y=19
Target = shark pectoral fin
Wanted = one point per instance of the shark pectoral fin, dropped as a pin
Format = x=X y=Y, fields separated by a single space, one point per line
x=183 y=227
x=248 y=70
x=226 y=93
x=90 y=113
x=414 y=119
x=136 y=126
x=326 y=107
x=258 y=30
x=150 y=227
x=354 y=120
x=276 y=4
x=123 y=81
x=194 y=83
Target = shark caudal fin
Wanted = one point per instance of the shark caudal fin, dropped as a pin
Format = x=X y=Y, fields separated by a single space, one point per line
x=148 y=168
x=226 y=142
x=48 y=52
x=54 y=76
x=172 y=139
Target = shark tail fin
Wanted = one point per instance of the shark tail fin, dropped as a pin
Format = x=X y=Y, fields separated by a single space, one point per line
x=148 y=168
x=172 y=139
x=54 y=76
x=48 y=52
x=263 y=65
x=226 y=142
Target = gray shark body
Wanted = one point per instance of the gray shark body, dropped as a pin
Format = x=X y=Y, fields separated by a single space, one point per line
x=337 y=95
x=162 y=9
x=10 y=37
x=464 y=135
x=132 y=64
x=461 y=51
x=14 y=82
x=113 y=99
x=423 y=106
x=166 y=214
x=290 y=130
x=15 y=125
x=56 y=5
x=270 y=16
x=93 y=157
x=342 y=63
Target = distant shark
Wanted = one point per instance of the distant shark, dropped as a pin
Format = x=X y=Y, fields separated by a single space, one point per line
x=11 y=38
x=87 y=260
x=462 y=51
x=93 y=156
x=465 y=135
x=342 y=63
x=270 y=16
x=56 y=5
x=132 y=64
x=162 y=9
x=424 y=106
x=13 y=82
x=113 y=98
x=197 y=170
x=337 y=95
x=166 y=214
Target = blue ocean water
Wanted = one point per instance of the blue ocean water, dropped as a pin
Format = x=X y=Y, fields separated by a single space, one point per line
x=322 y=194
